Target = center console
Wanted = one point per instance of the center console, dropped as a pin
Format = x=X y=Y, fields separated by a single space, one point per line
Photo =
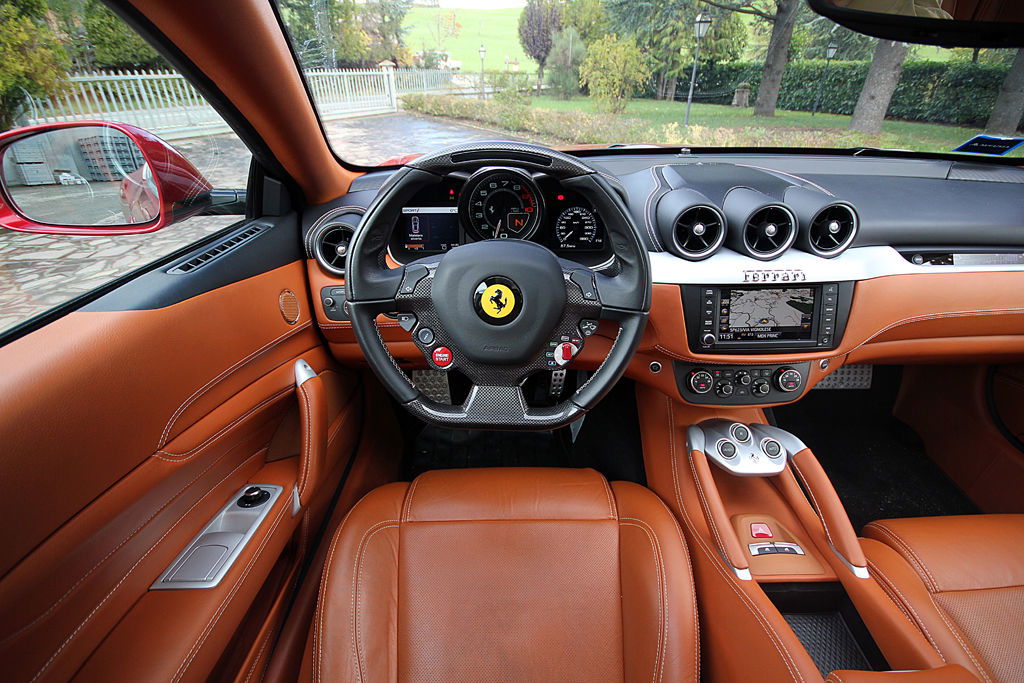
x=766 y=318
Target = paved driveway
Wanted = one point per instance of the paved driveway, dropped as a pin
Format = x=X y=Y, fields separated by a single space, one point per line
x=38 y=272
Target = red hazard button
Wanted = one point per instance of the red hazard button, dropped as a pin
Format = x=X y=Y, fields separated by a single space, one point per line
x=442 y=356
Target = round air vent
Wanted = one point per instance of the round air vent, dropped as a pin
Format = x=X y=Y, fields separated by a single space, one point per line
x=330 y=242
x=832 y=230
x=769 y=231
x=699 y=232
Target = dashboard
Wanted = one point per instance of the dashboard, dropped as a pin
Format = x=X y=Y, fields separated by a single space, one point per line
x=499 y=203
x=770 y=271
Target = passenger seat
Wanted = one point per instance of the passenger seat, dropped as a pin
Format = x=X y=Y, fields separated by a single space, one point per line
x=960 y=580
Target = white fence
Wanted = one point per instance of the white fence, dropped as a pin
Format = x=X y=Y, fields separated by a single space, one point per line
x=166 y=104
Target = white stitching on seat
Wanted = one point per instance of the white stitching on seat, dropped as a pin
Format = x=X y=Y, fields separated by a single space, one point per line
x=357 y=603
x=745 y=600
x=933 y=585
x=888 y=586
x=659 y=657
x=216 y=380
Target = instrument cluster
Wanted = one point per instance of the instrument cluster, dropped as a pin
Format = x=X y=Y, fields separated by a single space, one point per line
x=500 y=203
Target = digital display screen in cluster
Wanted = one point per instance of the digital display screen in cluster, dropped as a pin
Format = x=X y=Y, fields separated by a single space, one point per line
x=430 y=229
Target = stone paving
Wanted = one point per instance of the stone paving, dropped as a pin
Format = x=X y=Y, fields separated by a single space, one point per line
x=38 y=272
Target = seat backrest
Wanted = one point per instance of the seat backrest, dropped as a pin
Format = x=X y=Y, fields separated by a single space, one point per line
x=506 y=574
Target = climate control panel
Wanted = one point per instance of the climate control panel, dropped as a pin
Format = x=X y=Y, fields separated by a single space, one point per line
x=741 y=384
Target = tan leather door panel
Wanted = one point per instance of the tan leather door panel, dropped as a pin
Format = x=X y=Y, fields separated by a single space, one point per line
x=121 y=434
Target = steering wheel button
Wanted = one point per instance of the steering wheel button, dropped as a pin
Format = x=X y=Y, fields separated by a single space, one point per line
x=407 y=321
x=412 y=277
x=588 y=327
x=442 y=356
x=565 y=352
x=425 y=335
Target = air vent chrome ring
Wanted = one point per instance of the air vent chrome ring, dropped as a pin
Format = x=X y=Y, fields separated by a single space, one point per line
x=698 y=232
x=329 y=241
x=769 y=231
x=832 y=230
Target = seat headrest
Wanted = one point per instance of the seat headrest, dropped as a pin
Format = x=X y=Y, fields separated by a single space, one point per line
x=527 y=493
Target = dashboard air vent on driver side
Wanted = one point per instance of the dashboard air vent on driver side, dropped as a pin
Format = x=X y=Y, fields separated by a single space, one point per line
x=699 y=231
x=331 y=244
x=832 y=230
x=769 y=231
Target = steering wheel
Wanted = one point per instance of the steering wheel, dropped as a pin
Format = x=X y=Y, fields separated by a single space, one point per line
x=498 y=310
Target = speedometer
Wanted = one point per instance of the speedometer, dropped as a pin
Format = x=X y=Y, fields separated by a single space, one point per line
x=501 y=204
x=577 y=228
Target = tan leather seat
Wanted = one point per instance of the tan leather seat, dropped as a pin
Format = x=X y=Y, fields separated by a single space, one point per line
x=961 y=581
x=506 y=574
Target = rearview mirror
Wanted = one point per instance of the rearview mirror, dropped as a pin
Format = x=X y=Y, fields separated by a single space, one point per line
x=95 y=178
x=949 y=23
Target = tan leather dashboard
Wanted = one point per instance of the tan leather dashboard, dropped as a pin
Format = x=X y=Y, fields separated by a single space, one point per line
x=919 y=318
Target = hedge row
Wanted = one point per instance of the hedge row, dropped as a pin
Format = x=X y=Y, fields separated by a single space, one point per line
x=959 y=93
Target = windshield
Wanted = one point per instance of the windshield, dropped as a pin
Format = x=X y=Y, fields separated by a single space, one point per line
x=396 y=78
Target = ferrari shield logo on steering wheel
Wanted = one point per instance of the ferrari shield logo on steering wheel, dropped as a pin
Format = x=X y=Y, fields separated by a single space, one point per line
x=497 y=300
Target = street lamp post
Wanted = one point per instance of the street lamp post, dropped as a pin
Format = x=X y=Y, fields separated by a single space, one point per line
x=830 y=52
x=483 y=53
x=700 y=26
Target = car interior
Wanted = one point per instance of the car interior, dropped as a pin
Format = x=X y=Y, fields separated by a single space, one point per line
x=506 y=412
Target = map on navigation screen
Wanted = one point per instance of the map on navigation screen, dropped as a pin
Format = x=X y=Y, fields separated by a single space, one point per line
x=767 y=314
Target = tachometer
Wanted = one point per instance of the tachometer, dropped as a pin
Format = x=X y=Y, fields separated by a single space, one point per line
x=577 y=228
x=501 y=204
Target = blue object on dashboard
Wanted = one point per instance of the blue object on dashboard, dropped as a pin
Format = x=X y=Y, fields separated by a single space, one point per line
x=989 y=144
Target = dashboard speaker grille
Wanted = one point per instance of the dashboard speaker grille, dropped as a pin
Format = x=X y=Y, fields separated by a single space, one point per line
x=832 y=230
x=699 y=232
x=769 y=231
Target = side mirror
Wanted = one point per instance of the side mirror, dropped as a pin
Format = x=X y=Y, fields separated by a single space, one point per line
x=95 y=178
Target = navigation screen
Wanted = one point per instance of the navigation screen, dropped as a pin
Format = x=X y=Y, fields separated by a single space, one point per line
x=430 y=229
x=766 y=314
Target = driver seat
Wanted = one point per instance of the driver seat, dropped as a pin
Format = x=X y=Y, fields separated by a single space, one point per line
x=520 y=574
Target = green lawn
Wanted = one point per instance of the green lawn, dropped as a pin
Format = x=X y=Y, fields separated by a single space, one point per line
x=496 y=29
x=902 y=134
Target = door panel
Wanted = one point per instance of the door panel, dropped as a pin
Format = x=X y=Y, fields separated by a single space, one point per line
x=122 y=433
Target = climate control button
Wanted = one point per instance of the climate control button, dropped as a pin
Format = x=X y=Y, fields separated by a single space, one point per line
x=701 y=381
x=788 y=379
x=760 y=387
x=725 y=389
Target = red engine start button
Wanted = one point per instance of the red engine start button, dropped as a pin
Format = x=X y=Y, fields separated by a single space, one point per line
x=442 y=356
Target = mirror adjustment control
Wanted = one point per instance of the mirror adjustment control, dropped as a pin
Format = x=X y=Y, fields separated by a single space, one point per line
x=701 y=381
x=252 y=497
x=744 y=378
x=787 y=379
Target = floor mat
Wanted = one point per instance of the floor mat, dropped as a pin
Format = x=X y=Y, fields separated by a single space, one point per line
x=877 y=464
x=828 y=641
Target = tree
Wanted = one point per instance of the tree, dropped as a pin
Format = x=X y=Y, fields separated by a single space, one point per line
x=782 y=15
x=382 y=22
x=540 y=19
x=1009 y=105
x=587 y=17
x=325 y=33
x=31 y=62
x=882 y=79
x=567 y=53
x=662 y=29
x=613 y=70
x=115 y=44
